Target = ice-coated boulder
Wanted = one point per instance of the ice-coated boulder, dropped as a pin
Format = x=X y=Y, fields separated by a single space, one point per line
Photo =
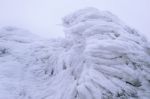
x=99 y=58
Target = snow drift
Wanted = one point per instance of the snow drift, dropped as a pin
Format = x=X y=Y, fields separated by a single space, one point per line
x=100 y=58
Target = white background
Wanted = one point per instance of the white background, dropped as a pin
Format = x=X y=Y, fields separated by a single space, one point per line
x=43 y=17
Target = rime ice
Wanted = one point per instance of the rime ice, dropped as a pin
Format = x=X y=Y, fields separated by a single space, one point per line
x=100 y=58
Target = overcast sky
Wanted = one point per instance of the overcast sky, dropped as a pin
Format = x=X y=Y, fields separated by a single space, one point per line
x=43 y=17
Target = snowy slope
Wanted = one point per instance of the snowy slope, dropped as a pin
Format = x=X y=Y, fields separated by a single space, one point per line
x=100 y=58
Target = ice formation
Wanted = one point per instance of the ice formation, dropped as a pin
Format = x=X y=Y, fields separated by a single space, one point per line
x=99 y=58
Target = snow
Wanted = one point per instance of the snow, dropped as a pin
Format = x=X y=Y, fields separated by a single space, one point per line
x=100 y=58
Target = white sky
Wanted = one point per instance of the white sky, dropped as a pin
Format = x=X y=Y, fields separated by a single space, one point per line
x=43 y=17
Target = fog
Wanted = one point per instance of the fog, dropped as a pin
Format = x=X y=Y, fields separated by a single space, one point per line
x=43 y=17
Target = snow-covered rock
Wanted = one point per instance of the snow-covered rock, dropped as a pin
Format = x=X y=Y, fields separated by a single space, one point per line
x=100 y=58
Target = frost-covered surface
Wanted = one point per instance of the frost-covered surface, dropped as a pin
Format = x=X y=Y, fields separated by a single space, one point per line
x=100 y=58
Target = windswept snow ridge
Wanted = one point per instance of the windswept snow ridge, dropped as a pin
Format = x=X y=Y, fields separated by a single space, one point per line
x=100 y=58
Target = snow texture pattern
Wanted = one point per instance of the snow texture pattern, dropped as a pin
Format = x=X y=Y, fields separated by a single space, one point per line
x=99 y=58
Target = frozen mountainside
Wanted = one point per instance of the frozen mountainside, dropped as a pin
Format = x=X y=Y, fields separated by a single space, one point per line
x=100 y=58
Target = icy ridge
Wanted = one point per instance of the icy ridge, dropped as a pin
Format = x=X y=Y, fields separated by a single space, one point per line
x=100 y=58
